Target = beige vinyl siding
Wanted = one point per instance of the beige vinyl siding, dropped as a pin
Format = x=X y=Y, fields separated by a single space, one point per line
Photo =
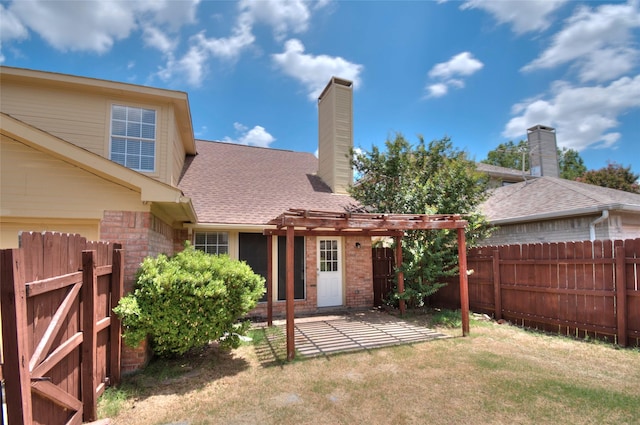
x=560 y=230
x=77 y=117
x=84 y=118
x=35 y=184
x=10 y=228
x=177 y=154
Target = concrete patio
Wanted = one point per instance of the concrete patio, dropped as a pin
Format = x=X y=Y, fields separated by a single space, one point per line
x=324 y=335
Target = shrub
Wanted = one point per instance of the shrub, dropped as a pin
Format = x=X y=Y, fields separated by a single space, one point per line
x=188 y=300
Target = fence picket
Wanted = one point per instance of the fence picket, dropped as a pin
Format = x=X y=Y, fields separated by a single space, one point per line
x=572 y=288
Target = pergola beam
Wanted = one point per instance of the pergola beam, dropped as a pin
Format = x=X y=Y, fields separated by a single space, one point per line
x=328 y=232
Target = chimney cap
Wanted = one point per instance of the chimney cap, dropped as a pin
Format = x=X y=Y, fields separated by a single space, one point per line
x=335 y=80
x=540 y=127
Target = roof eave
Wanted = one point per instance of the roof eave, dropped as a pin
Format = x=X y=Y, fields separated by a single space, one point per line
x=568 y=213
x=150 y=189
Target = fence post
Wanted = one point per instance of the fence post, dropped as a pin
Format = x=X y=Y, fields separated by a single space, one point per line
x=115 y=330
x=464 y=281
x=621 y=296
x=497 y=290
x=13 y=304
x=89 y=349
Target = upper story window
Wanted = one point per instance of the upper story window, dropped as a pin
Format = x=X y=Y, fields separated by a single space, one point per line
x=133 y=137
x=212 y=242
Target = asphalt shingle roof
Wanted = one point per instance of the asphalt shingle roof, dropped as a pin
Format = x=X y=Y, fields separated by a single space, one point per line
x=550 y=196
x=236 y=184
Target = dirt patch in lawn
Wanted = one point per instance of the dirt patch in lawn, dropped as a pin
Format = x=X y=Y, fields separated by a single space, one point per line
x=500 y=374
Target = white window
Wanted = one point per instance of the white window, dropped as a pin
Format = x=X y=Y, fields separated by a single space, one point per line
x=212 y=242
x=133 y=137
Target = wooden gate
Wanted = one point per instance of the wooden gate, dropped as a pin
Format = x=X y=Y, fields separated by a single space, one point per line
x=61 y=340
x=383 y=274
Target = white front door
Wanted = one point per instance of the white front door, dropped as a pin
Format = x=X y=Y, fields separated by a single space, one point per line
x=329 y=272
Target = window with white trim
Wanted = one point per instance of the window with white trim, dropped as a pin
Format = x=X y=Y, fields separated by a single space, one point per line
x=133 y=137
x=212 y=242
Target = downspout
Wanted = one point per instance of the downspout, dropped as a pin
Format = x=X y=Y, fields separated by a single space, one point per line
x=592 y=225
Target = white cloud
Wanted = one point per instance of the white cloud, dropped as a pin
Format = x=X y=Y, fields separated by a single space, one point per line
x=84 y=25
x=257 y=136
x=583 y=116
x=598 y=41
x=314 y=71
x=437 y=90
x=12 y=28
x=156 y=38
x=193 y=65
x=449 y=73
x=524 y=16
x=461 y=64
x=230 y=47
x=94 y=25
x=282 y=16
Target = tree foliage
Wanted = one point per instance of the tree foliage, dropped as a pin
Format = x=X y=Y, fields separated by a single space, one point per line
x=433 y=178
x=614 y=176
x=571 y=164
x=509 y=155
x=187 y=300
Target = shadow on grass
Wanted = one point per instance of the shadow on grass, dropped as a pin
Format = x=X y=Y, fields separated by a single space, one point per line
x=192 y=371
x=270 y=345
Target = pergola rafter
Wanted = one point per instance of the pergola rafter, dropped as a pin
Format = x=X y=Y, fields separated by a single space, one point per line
x=298 y=222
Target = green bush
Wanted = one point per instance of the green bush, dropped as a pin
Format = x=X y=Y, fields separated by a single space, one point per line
x=187 y=300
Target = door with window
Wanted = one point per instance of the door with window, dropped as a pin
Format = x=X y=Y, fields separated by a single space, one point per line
x=329 y=272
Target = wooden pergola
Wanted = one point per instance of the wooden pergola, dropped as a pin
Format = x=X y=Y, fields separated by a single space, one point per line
x=297 y=222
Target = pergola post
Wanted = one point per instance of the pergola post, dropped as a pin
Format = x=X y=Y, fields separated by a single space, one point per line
x=269 y=280
x=464 y=283
x=400 y=273
x=291 y=349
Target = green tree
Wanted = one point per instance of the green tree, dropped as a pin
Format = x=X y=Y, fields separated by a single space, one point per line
x=433 y=178
x=614 y=176
x=571 y=164
x=509 y=155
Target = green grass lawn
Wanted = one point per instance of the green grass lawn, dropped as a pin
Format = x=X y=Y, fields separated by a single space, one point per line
x=499 y=374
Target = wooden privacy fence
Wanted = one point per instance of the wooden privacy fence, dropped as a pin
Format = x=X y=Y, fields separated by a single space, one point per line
x=574 y=288
x=61 y=342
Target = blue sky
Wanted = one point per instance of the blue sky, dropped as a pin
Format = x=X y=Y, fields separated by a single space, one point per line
x=480 y=72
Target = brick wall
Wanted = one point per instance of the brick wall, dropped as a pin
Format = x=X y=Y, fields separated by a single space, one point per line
x=358 y=272
x=141 y=234
x=357 y=279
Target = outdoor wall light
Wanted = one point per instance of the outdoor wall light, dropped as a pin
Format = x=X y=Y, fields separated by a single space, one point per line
x=358 y=245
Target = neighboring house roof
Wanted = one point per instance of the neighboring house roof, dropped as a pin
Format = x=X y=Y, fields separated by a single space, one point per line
x=169 y=198
x=549 y=197
x=244 y=185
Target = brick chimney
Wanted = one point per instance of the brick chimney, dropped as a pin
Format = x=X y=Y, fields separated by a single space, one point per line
x=335 y=134
x=543 y=151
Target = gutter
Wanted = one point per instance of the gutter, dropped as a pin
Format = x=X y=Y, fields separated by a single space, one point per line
x=592 y=225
